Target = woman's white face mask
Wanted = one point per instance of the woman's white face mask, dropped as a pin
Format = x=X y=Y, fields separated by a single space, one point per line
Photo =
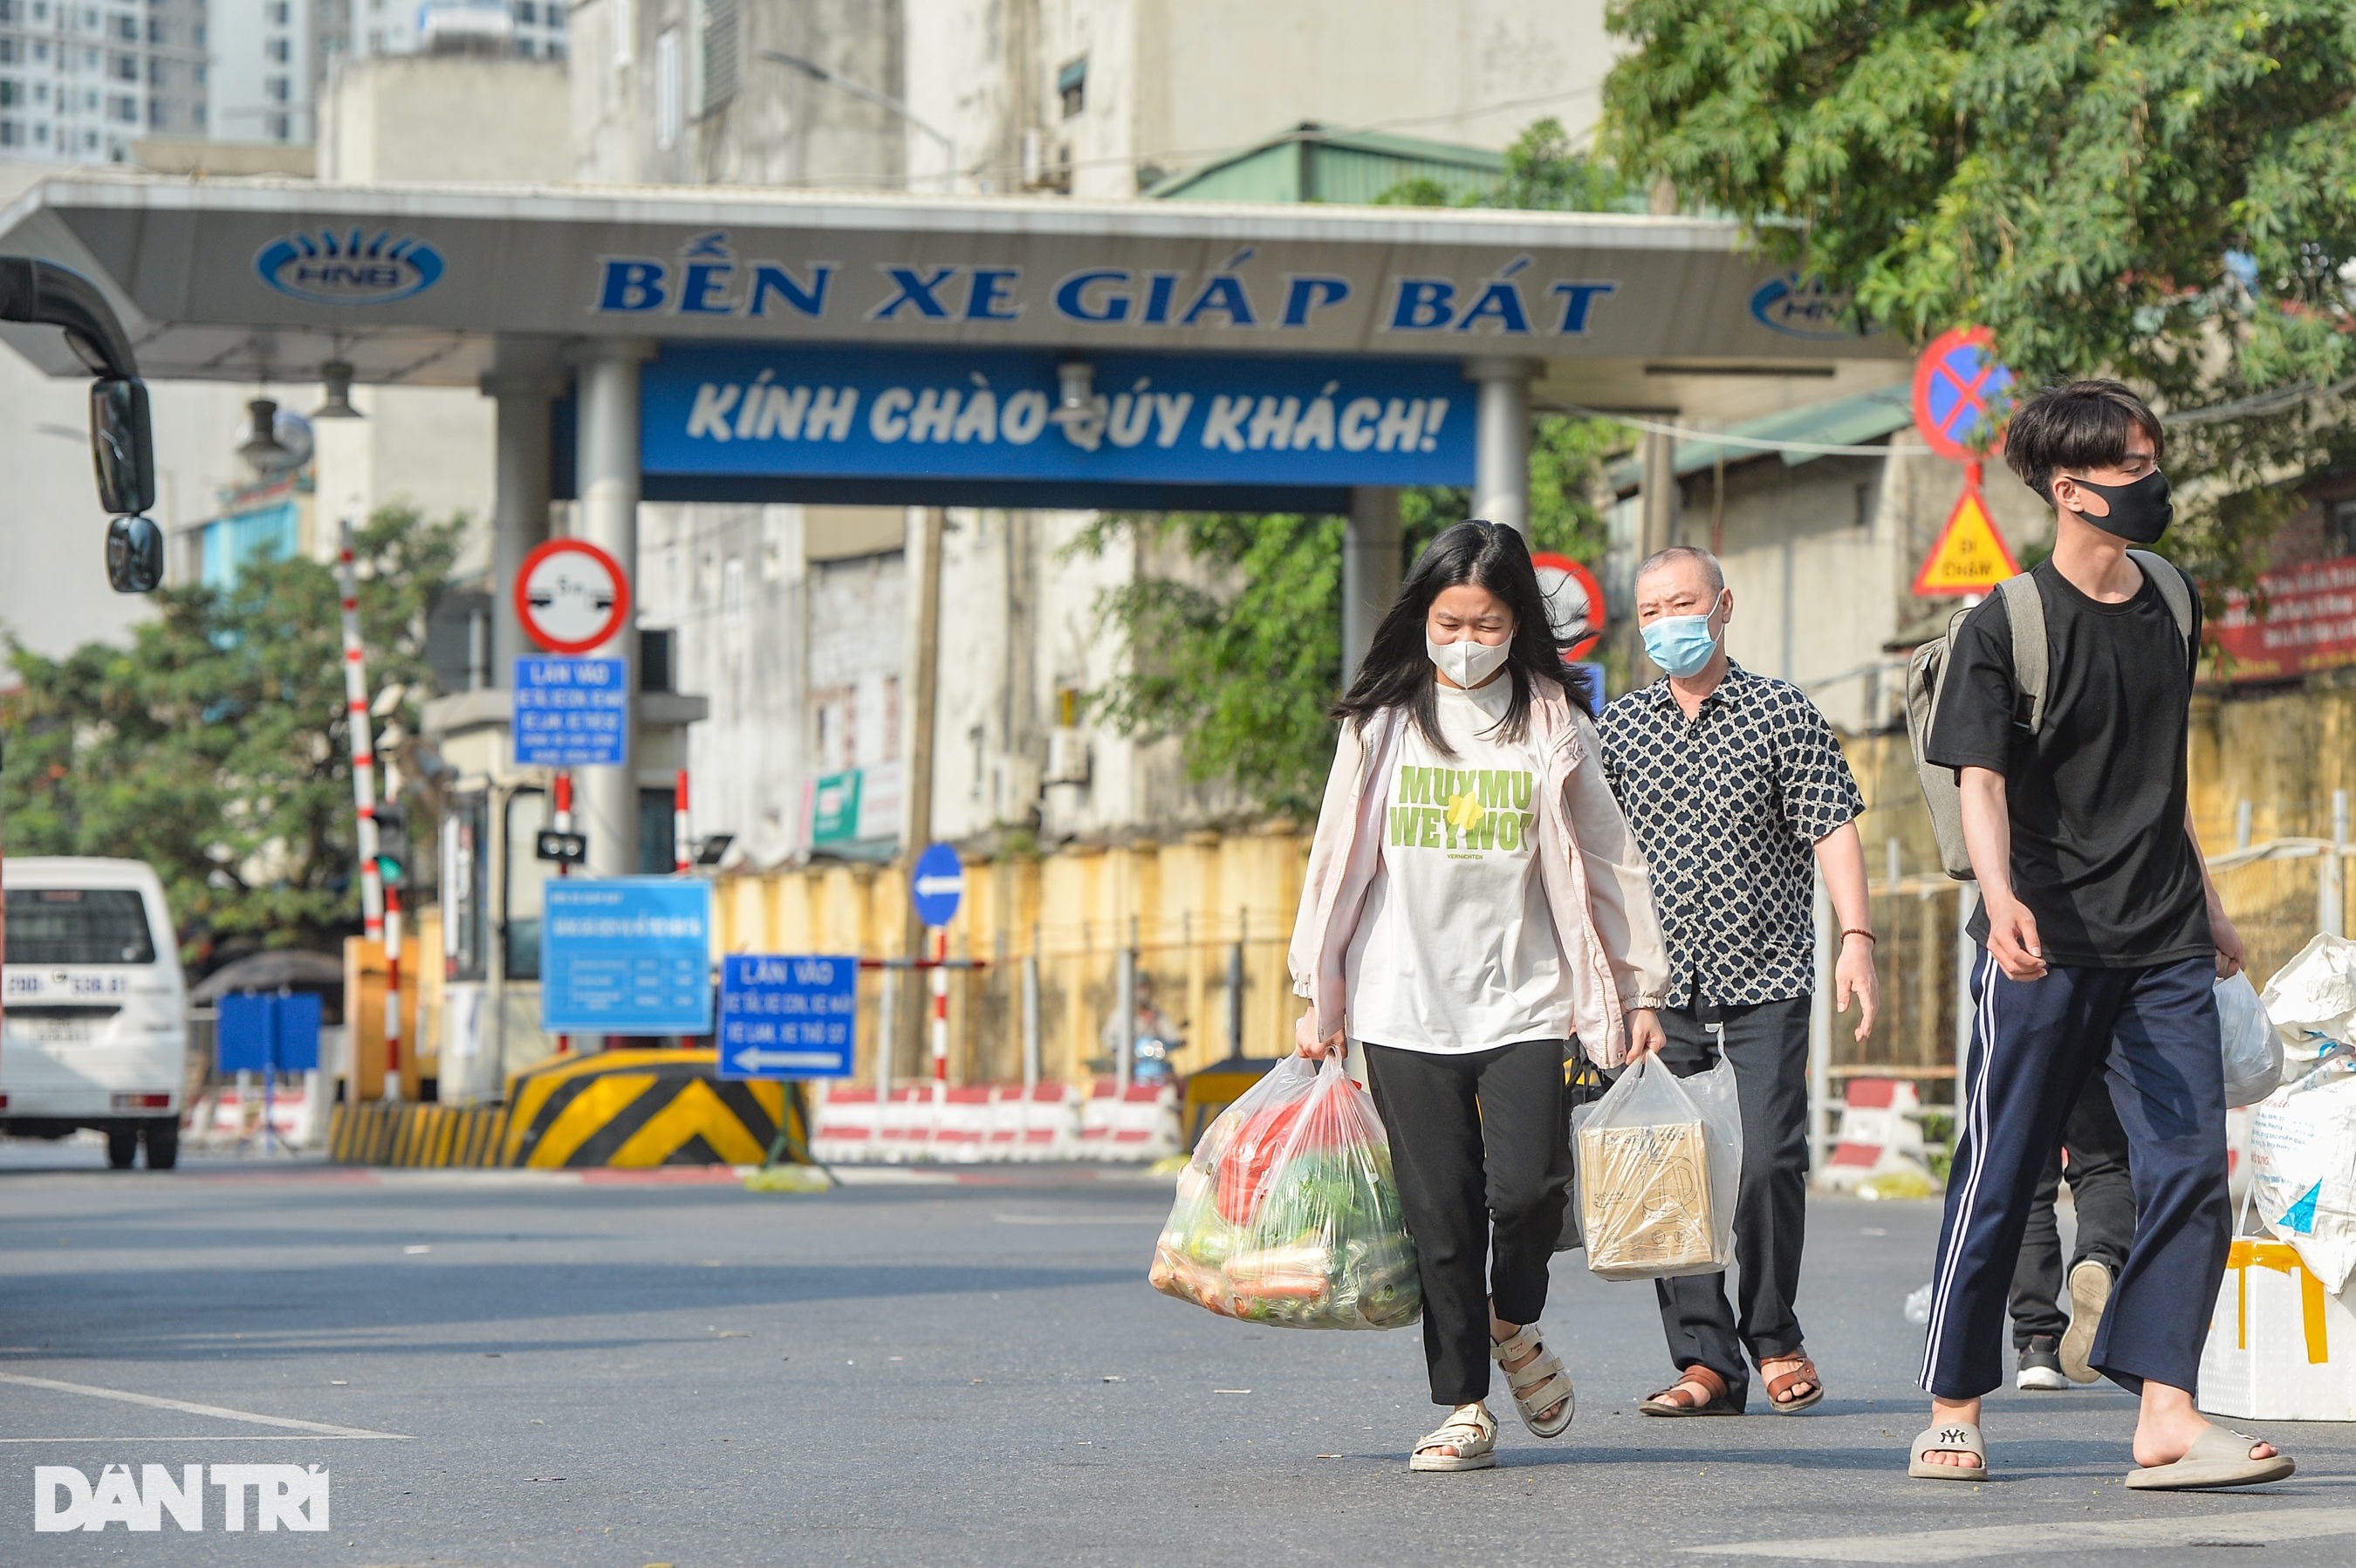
x=1466 y=662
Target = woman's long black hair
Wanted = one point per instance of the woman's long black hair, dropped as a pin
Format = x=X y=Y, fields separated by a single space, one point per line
x=1398 y=670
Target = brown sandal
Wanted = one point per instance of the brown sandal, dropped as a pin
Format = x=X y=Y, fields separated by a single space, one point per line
x=1675 y=1400
x=1805 y=1371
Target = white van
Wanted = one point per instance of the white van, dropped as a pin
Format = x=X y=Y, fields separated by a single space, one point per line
x=96 y=1031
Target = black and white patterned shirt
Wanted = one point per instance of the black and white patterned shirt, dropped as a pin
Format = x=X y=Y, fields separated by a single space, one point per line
x=1728 y=806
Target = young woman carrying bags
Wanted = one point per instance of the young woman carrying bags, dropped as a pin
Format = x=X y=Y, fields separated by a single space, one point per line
x=1473 y=900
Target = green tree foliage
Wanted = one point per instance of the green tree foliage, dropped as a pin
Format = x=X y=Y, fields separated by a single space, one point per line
x=214 y=746
x=2163 y=190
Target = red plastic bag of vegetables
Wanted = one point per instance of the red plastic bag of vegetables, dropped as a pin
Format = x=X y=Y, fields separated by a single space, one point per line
x=1288 y=1215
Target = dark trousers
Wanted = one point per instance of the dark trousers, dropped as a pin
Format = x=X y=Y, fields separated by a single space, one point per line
x=2152 y=1033
x=2103 y=1193
x=1481 y=1148
x=1768 y=1043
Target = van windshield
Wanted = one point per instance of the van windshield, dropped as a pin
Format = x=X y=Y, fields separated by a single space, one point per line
x=78 y=925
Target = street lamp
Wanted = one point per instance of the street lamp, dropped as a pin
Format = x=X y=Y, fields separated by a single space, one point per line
x=817 y=72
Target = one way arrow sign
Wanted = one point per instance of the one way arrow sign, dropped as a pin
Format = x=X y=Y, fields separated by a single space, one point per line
x=938 y=886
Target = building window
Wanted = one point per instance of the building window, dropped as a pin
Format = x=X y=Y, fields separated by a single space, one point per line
x=10 y=132
x=1072 y=87
x=555 y=49
x=126 y=68
x=526 y=11
x=10 y=94
x=523 y=49
x=667 y=88
x=127 y=28
x=278 y=50
x=276 y=11
x=276 y=89
x=278 y=128
x=717 y=31
x=126 y=109
x=554 y=13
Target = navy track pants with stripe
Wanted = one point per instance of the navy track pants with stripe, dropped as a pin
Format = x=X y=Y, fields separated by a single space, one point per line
x=2035 y=1042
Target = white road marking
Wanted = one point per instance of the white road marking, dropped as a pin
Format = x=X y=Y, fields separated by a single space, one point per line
x=319 y=1429
x=2256 y=1527
x=227 y=1437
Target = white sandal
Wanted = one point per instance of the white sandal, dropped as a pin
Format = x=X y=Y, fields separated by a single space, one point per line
x=1538 y=1384
x=1474 y=1438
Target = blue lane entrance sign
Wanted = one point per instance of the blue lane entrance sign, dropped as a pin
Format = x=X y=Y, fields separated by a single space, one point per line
x=940 y=884
x=625 y=955
x=572 y=712
x=788 y=1017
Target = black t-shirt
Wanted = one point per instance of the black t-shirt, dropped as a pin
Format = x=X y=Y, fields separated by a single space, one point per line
x=2099 y=852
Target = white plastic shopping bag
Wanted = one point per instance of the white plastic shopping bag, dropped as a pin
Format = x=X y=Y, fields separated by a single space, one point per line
x=2303 y=1166
x=2253 y=1051
x=1660 y=1158
x=2312 y=1000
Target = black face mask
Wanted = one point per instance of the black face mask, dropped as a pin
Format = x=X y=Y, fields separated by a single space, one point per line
x=2140 y=512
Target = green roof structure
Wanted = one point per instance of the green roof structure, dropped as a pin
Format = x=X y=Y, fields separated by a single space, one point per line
x=1314 y=163
x=1837 y=421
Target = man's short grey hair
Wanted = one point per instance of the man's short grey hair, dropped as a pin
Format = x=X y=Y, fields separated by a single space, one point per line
x=1676 y=553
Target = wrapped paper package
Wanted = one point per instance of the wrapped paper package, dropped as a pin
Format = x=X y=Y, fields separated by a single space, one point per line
x=1659 y=1160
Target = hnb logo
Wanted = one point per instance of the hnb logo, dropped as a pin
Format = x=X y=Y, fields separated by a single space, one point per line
x=286 y=1497
x=349 y=268
x=1801 y=308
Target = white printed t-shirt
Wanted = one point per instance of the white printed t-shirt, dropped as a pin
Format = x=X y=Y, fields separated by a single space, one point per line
x=1455 y=949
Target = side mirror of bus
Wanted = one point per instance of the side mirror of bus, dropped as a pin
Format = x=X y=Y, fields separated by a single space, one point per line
x=134 y=555
x=123 y=445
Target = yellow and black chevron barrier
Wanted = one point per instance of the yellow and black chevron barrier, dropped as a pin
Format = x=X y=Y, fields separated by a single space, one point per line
x=380 y=1135
x=634 y=1109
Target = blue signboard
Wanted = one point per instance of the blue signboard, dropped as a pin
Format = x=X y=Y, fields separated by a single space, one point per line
x=625 y=955
x=260 y=1034
x=788 y=1017
x=572 y=712
x=1001 y=414
x=940 y=884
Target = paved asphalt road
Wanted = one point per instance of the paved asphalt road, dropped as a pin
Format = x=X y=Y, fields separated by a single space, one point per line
x=623 y=1374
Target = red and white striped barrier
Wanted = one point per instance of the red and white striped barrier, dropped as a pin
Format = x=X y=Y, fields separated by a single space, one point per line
x=905 y=1129
x=1880 y=1131
x=843 y=1124
x=980 y=1123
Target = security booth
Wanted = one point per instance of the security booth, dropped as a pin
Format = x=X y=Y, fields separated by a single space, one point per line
x=736 y=344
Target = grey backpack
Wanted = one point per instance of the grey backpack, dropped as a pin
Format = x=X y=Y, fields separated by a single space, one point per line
x=1926 y=673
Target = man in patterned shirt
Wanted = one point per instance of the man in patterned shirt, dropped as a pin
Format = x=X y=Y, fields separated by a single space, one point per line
x=1734 y=784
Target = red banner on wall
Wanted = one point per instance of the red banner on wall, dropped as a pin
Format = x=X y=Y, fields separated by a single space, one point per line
x=2309 y=623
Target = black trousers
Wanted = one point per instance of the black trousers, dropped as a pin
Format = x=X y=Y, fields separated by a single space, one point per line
x=1480 y=1147
x=1768 y=1043
x=2103 y=1194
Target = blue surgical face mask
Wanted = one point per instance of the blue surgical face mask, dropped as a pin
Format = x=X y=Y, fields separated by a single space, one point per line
x=1680 y=644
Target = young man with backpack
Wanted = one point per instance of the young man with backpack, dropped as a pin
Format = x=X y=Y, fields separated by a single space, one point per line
x=2061 y=708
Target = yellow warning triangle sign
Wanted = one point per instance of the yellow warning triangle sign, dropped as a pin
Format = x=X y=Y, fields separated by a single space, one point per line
x=1970 y=557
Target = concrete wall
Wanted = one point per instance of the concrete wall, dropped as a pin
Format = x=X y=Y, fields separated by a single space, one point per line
x=1171 y=84
x=447 y=117
x=779 y=127
x=1185 y=902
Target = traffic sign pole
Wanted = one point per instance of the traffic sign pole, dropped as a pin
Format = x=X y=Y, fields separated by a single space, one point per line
x=682 y=853
x=562 y=785
x=940 y=1012
x=356 y=720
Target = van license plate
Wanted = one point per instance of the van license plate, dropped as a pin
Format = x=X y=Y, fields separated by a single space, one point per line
x=53 y=1031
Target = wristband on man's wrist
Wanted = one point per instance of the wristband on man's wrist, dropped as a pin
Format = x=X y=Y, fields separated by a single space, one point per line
x=1847 y=931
